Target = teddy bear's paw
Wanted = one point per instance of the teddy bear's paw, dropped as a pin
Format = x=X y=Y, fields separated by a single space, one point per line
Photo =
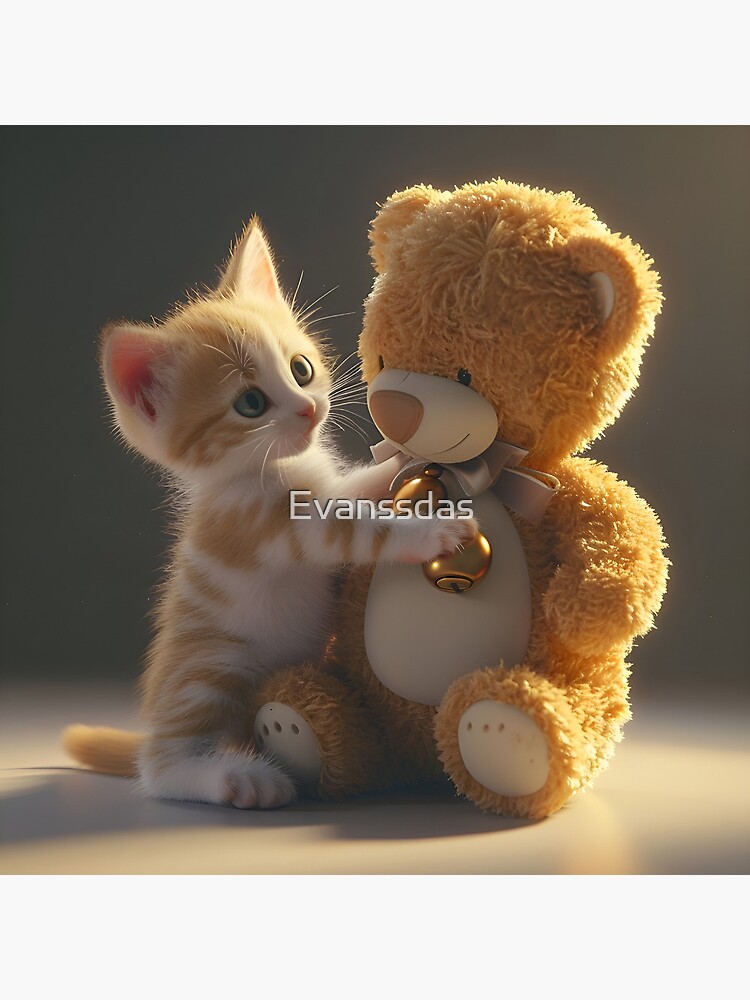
x=503 y=748
x=283 y=736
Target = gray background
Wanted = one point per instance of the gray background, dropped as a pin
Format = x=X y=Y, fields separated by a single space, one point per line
x=100 y=223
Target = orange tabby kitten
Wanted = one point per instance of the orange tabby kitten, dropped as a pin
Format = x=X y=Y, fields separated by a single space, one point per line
x=230 y=394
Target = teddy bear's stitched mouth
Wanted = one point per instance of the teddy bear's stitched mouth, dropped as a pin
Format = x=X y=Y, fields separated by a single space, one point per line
x=452 y=446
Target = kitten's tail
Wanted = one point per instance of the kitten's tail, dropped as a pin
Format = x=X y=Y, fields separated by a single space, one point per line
x=108 y=751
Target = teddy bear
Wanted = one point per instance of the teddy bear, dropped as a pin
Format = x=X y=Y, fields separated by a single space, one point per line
x=504 y=332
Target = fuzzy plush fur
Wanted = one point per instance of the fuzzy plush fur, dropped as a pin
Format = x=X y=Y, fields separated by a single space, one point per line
x=495 y=278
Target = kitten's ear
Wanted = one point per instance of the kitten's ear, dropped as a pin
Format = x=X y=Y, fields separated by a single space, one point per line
x=250 y=272
x=135 y=363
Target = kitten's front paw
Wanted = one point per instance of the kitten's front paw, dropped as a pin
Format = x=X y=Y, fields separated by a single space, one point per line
x=235 y=779
x=445 y=536
x=250 y=786
x=379 y=477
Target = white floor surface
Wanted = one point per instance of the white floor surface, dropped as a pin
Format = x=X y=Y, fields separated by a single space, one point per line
x=675 y=800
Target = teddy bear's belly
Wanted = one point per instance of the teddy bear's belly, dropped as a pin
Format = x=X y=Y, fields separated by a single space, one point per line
x=420 y=639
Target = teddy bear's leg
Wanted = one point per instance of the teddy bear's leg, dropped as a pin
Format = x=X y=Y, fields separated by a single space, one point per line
x=317 y=726
x=519 y=744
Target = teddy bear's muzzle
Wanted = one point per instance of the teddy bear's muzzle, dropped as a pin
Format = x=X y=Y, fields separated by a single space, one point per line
x=430 y=416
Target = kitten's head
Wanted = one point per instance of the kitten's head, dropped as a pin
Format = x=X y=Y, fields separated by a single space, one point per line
x=227 y=383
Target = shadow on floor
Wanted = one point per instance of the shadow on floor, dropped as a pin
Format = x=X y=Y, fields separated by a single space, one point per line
x=63 y=802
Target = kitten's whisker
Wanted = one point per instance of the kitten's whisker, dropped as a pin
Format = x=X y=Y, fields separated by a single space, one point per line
x=243 y=350
x=356 y=430
x=346 y=385
x=254 y=444
x=344 y=409
x=277 y=444
x=255 y=447
x=338 y=402
x=254 y=430
x=304 y=318
x=351 y=415
x=294 y=297
x=283 y=473
x=348 y=378
x=340 y=372
x=341 y=421
x=306 y=308
x=322 y=319
x=232 y=361
x=343 y=362
x=240 y=349
x=263 y=466
x=347 y=389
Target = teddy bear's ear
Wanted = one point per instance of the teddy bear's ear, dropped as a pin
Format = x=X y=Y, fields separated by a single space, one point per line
x=395 y=213
x=624 y=288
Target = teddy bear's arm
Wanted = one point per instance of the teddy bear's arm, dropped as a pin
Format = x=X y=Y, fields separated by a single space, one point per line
x=612 y=572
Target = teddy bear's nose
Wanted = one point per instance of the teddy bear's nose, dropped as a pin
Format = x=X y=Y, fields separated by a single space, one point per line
x=397 y=414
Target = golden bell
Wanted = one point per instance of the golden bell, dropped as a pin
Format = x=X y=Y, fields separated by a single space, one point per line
x=426 y=486
x=458 y=571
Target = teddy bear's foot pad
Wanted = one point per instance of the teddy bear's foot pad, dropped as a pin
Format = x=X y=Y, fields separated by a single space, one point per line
x=503 y=748
x=283 y=735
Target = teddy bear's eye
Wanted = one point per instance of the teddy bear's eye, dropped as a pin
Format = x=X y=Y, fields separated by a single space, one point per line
x=381 y=362
x=463 y=377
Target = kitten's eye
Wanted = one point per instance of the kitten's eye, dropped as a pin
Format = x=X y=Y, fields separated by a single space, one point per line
x=251 y=404
x=302 y=369
x=463 y=377
x=381 y=362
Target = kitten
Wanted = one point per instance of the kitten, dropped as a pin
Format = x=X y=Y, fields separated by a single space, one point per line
x=230 y=395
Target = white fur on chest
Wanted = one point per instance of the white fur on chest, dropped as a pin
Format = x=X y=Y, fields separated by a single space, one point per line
x=420 y=639
x=283 y=615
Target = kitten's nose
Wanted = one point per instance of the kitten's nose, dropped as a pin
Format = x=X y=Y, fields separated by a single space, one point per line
x=308 y=411
x=397 y=414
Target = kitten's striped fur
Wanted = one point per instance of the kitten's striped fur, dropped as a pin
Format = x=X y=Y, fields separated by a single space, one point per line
x=248 y=590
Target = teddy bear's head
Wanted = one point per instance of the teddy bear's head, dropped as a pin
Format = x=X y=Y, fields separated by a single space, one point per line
x=501 y=310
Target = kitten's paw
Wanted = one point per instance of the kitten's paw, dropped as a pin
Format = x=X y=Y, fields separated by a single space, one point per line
x=445 y=536
x=253 y=783
x=236 y=779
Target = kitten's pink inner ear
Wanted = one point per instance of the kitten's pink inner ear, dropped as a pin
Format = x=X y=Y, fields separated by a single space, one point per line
x=132 y=362
x=266 y=276
x=257 y=275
